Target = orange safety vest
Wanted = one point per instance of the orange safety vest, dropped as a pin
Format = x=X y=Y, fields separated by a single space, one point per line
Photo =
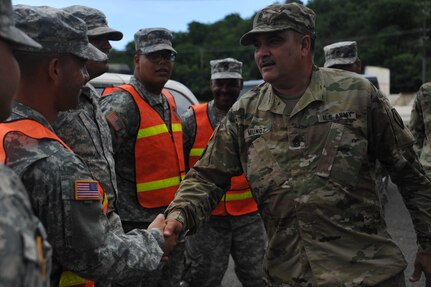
x=238 y=200
x=36 y=130
x=159 y=156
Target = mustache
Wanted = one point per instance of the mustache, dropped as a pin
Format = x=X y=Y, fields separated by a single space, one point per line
x=266 y=61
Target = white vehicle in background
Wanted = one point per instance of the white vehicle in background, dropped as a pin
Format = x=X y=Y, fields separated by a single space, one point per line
x=184 y=98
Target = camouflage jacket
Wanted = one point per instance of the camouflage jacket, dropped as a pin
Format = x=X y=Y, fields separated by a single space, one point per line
x=311 y=174
x=21 y=263
x=189 y=126
x=122 y=105
x=78 y=231
x=86 y=132
x=420 y=125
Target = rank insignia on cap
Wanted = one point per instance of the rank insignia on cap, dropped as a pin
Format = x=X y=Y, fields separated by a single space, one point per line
x=87 y=190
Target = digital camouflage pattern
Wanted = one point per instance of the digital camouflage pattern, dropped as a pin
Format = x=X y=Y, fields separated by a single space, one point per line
x=121 y=103
x=312 y=175
x=78 y=231
x=87 y=133
x=22 y=263
x=340 y=53
x=150 y=40
x=122 y=107
x=9 y=32
x=96 y=22
x=420 y=125
x=56 y=30
x=207 y=252
x=228 y=68
x=278 y=17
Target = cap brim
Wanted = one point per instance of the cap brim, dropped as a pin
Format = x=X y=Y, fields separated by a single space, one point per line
x=248 y=38
x=112 y=34
x=89 y=52
x=225 y=75
x=18 y=38
x=343 y=61
x=155 y=48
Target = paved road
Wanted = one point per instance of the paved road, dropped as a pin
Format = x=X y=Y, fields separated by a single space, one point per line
x=399 y=226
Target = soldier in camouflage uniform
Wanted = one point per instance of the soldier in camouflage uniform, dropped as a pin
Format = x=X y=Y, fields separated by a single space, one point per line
x=25 y=255
x=85 y=129
x=343 y=56
x=420 y=125
x=237 y=230
x=123 y=107
x=62 y=190
x=307 y=141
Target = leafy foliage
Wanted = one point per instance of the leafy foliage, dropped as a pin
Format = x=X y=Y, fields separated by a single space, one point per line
x=388 y=33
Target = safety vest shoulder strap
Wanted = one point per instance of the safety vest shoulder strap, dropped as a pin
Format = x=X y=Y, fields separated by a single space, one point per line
x=30 y=128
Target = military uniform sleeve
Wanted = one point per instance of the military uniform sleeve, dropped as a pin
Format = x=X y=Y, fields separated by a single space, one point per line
x=80 y=233
x=392 y=143
x=417 y=121
x=209 y=179
x=122 y=116
x=25 y=254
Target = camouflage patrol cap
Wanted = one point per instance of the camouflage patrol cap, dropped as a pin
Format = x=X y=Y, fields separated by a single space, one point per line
x=9 y=32
x=150 y=40
x=97 y=25
x=279 y=17
x=56 y=30
x=340 y=53
x=228 y=68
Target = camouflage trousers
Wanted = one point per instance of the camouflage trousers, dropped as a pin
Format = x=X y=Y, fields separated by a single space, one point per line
x=207 y=252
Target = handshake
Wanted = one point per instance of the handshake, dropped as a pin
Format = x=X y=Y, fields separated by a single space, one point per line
x=170 y=229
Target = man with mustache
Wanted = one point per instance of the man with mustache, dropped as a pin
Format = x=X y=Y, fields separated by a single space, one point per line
x=307 y=140
x=147 y=140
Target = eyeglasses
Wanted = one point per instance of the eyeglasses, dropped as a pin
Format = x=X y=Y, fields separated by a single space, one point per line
x=156 y=57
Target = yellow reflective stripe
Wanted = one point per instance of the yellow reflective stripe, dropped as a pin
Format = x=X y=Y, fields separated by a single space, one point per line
x=196 y=151
x=152 y=131
x=71 y=279
x=105 y=200
x=238 y=196
x=158 y=184
x=177 y=127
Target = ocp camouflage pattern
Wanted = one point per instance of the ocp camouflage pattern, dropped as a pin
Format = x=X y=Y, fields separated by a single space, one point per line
x=420 y=125
x=311 y=173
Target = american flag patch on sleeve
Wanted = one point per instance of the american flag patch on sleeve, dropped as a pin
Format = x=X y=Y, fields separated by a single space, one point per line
x=87 y=190
x=115 y=121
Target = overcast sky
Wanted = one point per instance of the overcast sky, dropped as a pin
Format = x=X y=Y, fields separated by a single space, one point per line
x=128 y=16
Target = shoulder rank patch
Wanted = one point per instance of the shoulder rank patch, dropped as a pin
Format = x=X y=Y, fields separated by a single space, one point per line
x=257 y=131
x=87 y=190
x=114 y=120
x=336 y=117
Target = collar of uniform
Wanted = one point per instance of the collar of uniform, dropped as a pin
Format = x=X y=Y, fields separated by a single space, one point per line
x=145 y=94
x=314 y=91
x=90 y=91
x=20 y=111
x=269 y=101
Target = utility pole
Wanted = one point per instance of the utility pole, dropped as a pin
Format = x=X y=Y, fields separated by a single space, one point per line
x=424 y=39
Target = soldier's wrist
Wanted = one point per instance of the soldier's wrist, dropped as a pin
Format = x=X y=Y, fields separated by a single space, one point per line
x=158 y=235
